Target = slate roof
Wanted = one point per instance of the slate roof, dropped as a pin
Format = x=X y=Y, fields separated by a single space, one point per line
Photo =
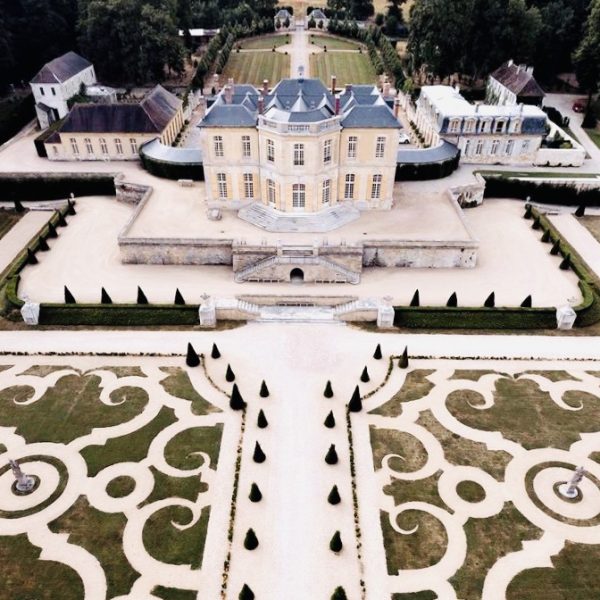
x=379 y=117
x=518 y=80
x=179 y=156
x=228 y=115
x=62 y=68
x=283 y=14
x=318 y=15
x=419 y=156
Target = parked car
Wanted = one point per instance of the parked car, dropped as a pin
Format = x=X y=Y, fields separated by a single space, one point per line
x=580 y=105
x=404 y=139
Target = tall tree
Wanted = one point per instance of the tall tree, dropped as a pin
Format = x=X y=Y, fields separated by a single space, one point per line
x=587 y=56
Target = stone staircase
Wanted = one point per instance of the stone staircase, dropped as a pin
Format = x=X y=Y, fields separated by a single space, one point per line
x=298 y=314
x=270 y=219
x=361 y=305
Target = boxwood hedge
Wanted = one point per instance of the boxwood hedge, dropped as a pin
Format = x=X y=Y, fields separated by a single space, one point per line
x=55 y=186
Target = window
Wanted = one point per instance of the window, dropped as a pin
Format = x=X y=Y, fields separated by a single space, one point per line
x=470 y=125
x=495 y=146
x=479 y=147
x=103 y=146
x=222 y=185
x=467 y=149
x=133 y=145
x=352 y=140
x=55 y=150
x=376 y=187
x=42 y=91
x=327 y=152
x=499 y=126
x=271 y=151
x=246 y=146
x=515 y=126
x=298 y=155
x=88 y=146
x=326 y=196
x=53 y=91
x=525 y=147
x=509 y=147
x=271 y=194
x=218 y=144
x=298 y=195
x=118 y=146
x=486 y=126
x=248 y=185
x=380 y=147
x=74 y=146
x=454 y=126
x=349 y=187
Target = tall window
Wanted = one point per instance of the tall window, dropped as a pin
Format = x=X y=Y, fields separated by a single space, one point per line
x=218 y=145
x=467 y=150
x=133 y=145
x=326 y=197
x=53 y=91
x=376 y=187
x=271 y=196
x=118 y=146
x=248 y=185
x=271 y=151
x=509 y=147
x=470 y=125
x=352 y=141
x=42 y=91
x=88 y=146
x=103 y=147
x=298 y=195
x=298 y=155
x=246 y=146
x=495 y=146
x=515 y=126
x=380 y=147
x=222 y=185
x=499 y=126
x=349 y=186
x=454 y=126
x=525 y=147
x=479 y=147
x=74 y=146
x=327 y=152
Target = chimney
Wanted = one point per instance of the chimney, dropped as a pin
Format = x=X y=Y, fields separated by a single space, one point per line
x=228 y=93
x=333 y=84
x=386 y=88
x=348 y=88
x=338 y=105
x=397 y=108
x=261 y=105
x=529 y=70
x=265 y=87
x=216 y=82
x=510 y=62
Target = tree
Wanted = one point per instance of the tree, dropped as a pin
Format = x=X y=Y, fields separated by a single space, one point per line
x=229 y=374
x=364 y=376
x=555 y=248
x=328 y=393
x=259 y=456
x=490 y=301
x=415 y=299
x=215 y=352
x=60 y=219
x=70 y=204
x=528 y=212
x=52 y=233
x=580 y=212
x=104 y=297
x=312 y=23
x=19 y=208
x=377 y=355
x=179 y=298
x=403 y=362
x=192 y=359
x=286 y=23
x=262 y=420
x=69 y=298
x=331 y=458
x=527 y=303
x=587 y=56
x=246 y=593
x=43 y=244
x=453 y=300
x=255 y=493
x=264 y=390
x=355 y=404
x=236 y=402
x=335 y=545
x=329 y=420
x=565 y=264
x=334 y=496
x=141 y=297
x=546 y=236
x=250 y=541
x=339 y=594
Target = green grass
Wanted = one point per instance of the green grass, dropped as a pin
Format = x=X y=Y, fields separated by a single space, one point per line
x=471 y=374
x=553 y=376
x=594 y=135
x=120 y=486
x=333 y=43
x=255 y=67
x=347 y=67
x=470 y=491
x=416 y=386
x=592 y=224
x=178 y=384
x=8 y=218
x=44 y=370
x=424 y=595
x=391 y=441
x=173 y=593
x=181 y=451
x=265 y=42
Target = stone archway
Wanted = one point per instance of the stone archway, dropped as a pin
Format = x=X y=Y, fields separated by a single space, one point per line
x=297 y=275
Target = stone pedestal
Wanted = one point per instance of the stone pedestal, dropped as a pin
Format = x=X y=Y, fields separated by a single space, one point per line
x=31 y=312
x=385 y=314
x=565 y=317
x=207 y=312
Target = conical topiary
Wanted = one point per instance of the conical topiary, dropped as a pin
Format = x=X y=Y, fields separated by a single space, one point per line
x=334 y=496
x=453 y=300
x=262 y=420
x=355 y=404
x=335 y=545
x=546 y=237
x=555 y=248
x=236 y=402
x=192 y=359
x=104 y=297
x=255 y=493
x=528 y=212
x=179 y=298
x=52 y=231
x=490 y=301
x=19 y=208
x=250 y=541
x=565 y=264
x=214 y=353
x=339 y=594
x=537 y=224
x=62 y=222
x=416 y=300
x=229 y=374
x=328 y=393
x=378 y=355
x=403 y=362
x=43 y=244
x=259 y=456
x=141 y=297
x=71 y=207
x=264 y=390
x=246 y=593
x=364 y=377
x=69 y=298
x=527 y=302
x=330 y=420
x=331 y=457
x=580 y=212
x=31 y=258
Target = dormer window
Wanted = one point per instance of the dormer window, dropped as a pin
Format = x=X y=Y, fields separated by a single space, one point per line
x=470 y=125
x=515 y=126
x=500 y=126
x=454 y=126
x=485 y=126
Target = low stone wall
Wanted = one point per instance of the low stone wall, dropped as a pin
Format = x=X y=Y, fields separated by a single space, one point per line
x=420 y=255
x=560 y=157
x=175 y=251
x=296 y=300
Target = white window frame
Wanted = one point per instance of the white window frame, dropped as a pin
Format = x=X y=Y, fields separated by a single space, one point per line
x=515 y=125
x=376 y=186
x=119 y=146
x=327 y=152
x=479 y=148
x=298 y=155
x=103 y=147
x=349 y=183
x=222 y=185
x=510 y=146
x=326 y=192
x=271 y=192
x=74 y=146
x=271 y=151
x=485 y=126
x=525 y=146
x=133 y=145
x=454 y=125
x=352 y=144
x=298 y=195
x=500 y=126
x=248 y=186
x=89 y=148
x=246 y=148
x=495 y=147
x=218 y=146
x=470 y=125
x=380 y=147
x=467 y=149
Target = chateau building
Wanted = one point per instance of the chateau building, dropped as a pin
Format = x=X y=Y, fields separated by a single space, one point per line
x=513 y=84
x=56 y=83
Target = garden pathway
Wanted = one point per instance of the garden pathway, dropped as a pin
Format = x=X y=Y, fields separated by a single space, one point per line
x=299 y=52
x=20 y=235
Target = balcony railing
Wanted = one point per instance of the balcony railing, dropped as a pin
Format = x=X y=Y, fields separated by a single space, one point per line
x=300 y=128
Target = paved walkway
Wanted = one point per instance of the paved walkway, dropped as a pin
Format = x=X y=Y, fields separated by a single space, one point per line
x=20 y=235
x=299 y=53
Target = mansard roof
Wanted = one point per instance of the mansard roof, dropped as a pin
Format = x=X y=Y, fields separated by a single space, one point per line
x=518 y=79
x=62 y=68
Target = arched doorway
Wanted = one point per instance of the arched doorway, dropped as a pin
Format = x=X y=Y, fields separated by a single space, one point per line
x=297 y=275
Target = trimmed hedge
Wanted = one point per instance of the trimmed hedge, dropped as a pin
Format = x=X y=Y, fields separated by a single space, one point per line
x=425 y=171
x=168 y=170
x=55 y=186
x=15 y=113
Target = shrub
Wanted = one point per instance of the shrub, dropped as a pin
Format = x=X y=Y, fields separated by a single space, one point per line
x=555 y=250
x=264 y=390
x=229 y=374
x=403 y=362
x=329 y=420
x=545 y=237
x=335 y=545
x=565 y=264
x=250 y=541
x=355 y=404
x=18 y=206
x=69 y=298
x=262 y=420
x=104 y=297
x=527 y=302
x=259 y=456
x=246 y=593
x=236 y=402
x=255 y=493
x=328 y=393
x=490 y=301
x=141 y=297
x=339 y=594
x=31 y=259
x=364 y=377
x=536 y=223
x=416 y=301
x=580 y=212
x=52 y=231
x=71 y=207
x=453 y=300
x=179 y=298
x=192 y=359
x=214 y=353
x=331 y=458
x=527 y=214
x=378 y=355
x=334 y=496
x=43 y=244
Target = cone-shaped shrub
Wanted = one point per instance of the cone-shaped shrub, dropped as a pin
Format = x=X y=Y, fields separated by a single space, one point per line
x=71 y=207
x=246 y=593
x=43 y=244
x=527 y=214
x=339 y=594
x=555 y=248
x=527 y=302
x=52 y=231
x=546 y=237
x=403 y=362
x=19 y=207
x=416 y=300
x=328 y=393
x=236 y=402
x=250 y=541
x=335 y=545
x=259 y=456
x=31 y=259
x=61 y=219
x=262 y=420
x=355 y=404
x=141 y=297
x=453 y=300
x=378 y=355
x=334 y=496
x=364 y=377
x=331 y=457
x=264 y=390
x=214 y=353
x=536 y=223
x=565 y=264
x=192 y=359
x=580 y=212
x=255 y=493
x=490 y=301
x=104 y=297
x=329 y=420
x=229 y=374
x=69 y=298
x=179 y=298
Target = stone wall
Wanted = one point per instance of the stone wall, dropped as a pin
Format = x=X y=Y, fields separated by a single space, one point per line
x=174 y=251
x=420 y=255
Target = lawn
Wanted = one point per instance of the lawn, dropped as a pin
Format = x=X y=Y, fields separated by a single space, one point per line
x=255 y=67
x=592 y=224
x=347 y=67
x=594 y=136
x=8 y=218
x=265 y=42
x=333 y=43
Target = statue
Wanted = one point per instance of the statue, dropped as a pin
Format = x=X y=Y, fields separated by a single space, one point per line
x=25 y=483
x=570 y=490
